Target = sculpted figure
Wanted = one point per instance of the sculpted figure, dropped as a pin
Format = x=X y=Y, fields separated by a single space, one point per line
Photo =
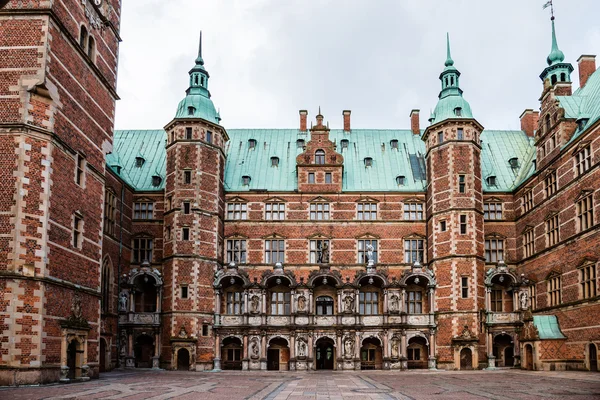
x=123 y=300
x=349 y=303
x=394 y=347
x=254 y=349
x=301 y=303
x=349 y=347
x=393 y=303
x=370 y=249
x=323 y=253
x=254 y=303
x=301 y=348
x=523 y=299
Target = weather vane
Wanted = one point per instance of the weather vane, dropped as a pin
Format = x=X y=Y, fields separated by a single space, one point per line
x=549 y=4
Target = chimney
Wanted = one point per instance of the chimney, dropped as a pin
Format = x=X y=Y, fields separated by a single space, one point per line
x=587 y=66
x=529 y=121
x=303 y=114
x=414 y=122
x=346 y=114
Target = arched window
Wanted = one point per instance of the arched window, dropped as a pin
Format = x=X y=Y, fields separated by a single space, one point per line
x=280 y=299
x=547 y=122
x=233 y=296
x=319 y=157
x=91 y=49
x=458 y=112
x=553 y=79
x=191 y=110
x=563 y=77
x=106 y=285
x=401 y=180
x=324 y=305
x=251 y=143
x=145 y=294
x=344 y=143
x=83 y=36
x=300 y=143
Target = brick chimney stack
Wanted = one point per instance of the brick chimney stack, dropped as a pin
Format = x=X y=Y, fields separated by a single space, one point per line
x=414 y=122
x=303 y=114
x=529 y=121
x=346 y=114
x=587 y=66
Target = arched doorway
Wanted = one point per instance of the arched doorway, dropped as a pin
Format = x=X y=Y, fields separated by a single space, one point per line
x=183 y=360
x=324 y=353
x=103 y=366
x=466 y=359
x=144 y=349
x=417 y=352
x=278 y=355
x=503 y=350
x=231 y=352
x=145 y=293
x=370 y=354
x=74 y=358
x=593 y=357
x=528 y=357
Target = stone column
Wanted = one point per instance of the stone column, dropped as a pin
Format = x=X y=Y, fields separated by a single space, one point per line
x=217 y=306
x=403 y=301
x=158 y=298
x=432 y=361
x=156 y=358
x=217 y=359
x=263 y=350
x=385 y=301
x=264 y=302
x=490 y=351
x=356 y=352
x=431 y=300
x=131 y=301
x=488 y=300
x=340 y=306
x=356 y=300
x=293 y=300
x=403 y=347
x=246 y=310
x=245 y=351
x=311 y=306
x=292 y=345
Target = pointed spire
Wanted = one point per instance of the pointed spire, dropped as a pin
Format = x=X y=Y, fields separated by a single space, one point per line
x=449 y=61
x=555 y=56
x=199 y=59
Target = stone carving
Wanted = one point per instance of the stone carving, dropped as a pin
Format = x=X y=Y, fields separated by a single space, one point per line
x=301 y=303
x=349 y=347
x=85 y=370
x=323 y=252
x=123 y=343
x=395 y=347
x=123 y=302
x=372 y=320
x=349 y=303
x=76 y=307
x=254 y=304
x=64 y=373
x=524 y=300
x=370 y=250
x=394 y=304
x=182 y=332
x=145 y=318
x=301 y=348
x=254 y=348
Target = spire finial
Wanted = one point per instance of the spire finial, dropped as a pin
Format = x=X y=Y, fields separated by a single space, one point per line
x=199 y=59
x=319 y=110
x=556 y=55
x=449 y=61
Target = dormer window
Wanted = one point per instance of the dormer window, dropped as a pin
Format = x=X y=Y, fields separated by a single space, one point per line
x=156 y=180
x=117 y=168
x=581 y=123
x=300 y=143
x=394 y=144
x=274 y=161
x=319 y=157
x=191 y=110
x=188 y=133
x=458 y=112
x=251 y=143
x=514 y=162
x=344 y=143
x=491 y=180
x=400 y=180
x=246 y=180
x=139 y=161
x=368 y=162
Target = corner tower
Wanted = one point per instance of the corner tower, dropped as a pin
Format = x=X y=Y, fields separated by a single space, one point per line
x=455 y=220
x=194 y=207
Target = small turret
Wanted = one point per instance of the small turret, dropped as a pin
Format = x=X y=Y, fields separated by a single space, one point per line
x=557 y=71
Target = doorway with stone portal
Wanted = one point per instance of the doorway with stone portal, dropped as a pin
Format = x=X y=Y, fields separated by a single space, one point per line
x=324 y=354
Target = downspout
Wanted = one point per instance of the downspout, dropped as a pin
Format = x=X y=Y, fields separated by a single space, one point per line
x=119 y=271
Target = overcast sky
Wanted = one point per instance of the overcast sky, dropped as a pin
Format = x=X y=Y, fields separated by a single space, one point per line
x=268 y=59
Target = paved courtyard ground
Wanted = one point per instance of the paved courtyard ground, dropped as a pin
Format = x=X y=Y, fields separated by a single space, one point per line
x=501 y=384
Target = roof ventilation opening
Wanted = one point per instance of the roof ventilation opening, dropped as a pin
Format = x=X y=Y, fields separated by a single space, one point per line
x=139 y=161
x=274 y=161
x=458 y=111
x=401 y=180
x=491 y=180
x=156 y=180
x=191 y=110
x=368 y=162
x=300 y=143
x=514 y=162
x=251 y=143
x=344 y=143
x=394 y=144
x=246 y=180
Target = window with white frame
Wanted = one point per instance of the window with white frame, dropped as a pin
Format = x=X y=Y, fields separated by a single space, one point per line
x=234 y=302
x=142 y=250
x=414 y=250
x=550 y=185
x=413 y=211
x=587 y=280
x=552 y=234
x=585 y=212
x=363 y=251
x=319 y=211
x=414 y=302
x=532 y=296
x=492 y=211
x=554 y=289
x=236 y=251
x=366 y=211
x=274 y=211
x=319 y=251
x=528 y=243
x=583 y=160
x=527 y=200
x=274 y=251
x=77 y=228
x=280 y=303
x=143 y=210
x=368 y=303
x=110 y=211
x=237 y=210
x=494 y=250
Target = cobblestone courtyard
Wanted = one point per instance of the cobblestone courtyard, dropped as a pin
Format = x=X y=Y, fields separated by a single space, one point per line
x=502 y=384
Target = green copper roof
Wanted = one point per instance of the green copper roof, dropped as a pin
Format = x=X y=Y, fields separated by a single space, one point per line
x=556 y=56
x=447 y=106
x=148 y=144
x=547 y=326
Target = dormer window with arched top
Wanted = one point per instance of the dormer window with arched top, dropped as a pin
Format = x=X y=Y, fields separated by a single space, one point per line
x=344 y=143
x=156 y=180
x=246 y=180
x=300 y=143
x=368 y=162
x=491 y=180
x=139 y=161
x=319 y=157
x=191 y=110
x=458 y=111
x=251 y=143
x=514 y=162
x=401 y=180
x=274 y=161
x=394 y=144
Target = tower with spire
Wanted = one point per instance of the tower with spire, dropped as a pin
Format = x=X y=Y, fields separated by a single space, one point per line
x=193 y=224
x=455 y=228
x=557 y=70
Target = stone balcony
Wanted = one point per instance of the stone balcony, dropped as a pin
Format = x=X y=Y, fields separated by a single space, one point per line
x=415 y=320
x=498 y=318
x=141 y=318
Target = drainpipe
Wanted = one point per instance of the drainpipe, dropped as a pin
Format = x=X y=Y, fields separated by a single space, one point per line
x=119 y=270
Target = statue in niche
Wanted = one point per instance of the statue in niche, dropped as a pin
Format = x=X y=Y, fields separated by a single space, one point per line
x=123 y=343
x=394 y=304
x=322 y=252
x=349 y=347
x=523 y=299
x=182 y=332
x=349 y=303
x=301 y=303
x=370 y=250
x=301 y=348
x=254 y=304
x=76 y=307
x=254 y=348
x=123 y=301
x=395 y=347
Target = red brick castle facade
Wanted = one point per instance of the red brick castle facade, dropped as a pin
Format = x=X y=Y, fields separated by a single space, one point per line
x=197 y=247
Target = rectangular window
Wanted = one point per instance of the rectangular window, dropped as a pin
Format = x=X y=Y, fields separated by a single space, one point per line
x=319 y=251
x=587 y=280
x=492 y=211
x=554 y=288
x=464 y=287
x=275 y=211
x=528 y=243
x=413 y=354
x=274 y=251
x=168 y=233
x=494 y=250
x=552 y=234
x=184 y=292
x=414 y=302
x=110 y=210
x=235 y=303
x=585 y=213
x=77 y=222
x=280 y=303
x=460 y=133
x=187 y=177
x=188 y=133
x=143 y=210
x=583 y=160
x=440 y=137
x=236 y=251
x=185 y=234
x=366 y=211
x=533 y=296
x=443 y=226
x=413 y=250
x=550 y=185
x=311 y=177
x=463 y=224
x=204 y=329
x=413 y=211
x=209 y=137
x=368 y=303
x=327 y=177
x=363 y=251
x=142 y=250
x=79 y=169
x=319 y=211
x=461 y=184
x=186 y=207
x=496 y=300
x=528 y=200
x=236 y=211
